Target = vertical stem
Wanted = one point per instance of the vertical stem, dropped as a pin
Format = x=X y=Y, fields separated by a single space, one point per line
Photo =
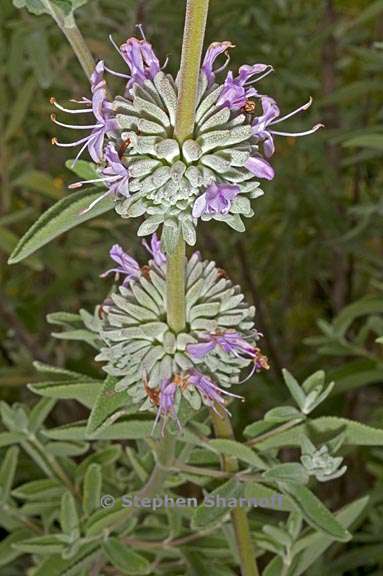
x=195 y=23
x=175 y=287
x=69 y=28
x=223 y=429
x=194 y=32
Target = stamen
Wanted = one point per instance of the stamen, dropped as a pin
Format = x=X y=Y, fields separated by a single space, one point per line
x=221 y=68
x=119 y=74
x=165 y=63
x=296 y=134
x=141 y=29
x=249 y=375
x=80 y=184
x=69 y=144
x=303 y=107
x=93 y=204
x=266 y=73
x=81 y=127
x=115 y=45
x=52 y=100
x=87 y=142
x=82 y=100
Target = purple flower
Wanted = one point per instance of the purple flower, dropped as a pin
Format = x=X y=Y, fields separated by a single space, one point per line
x=166 y=406
x=115 y=176
x=101 y=108
x=141 y=59
x=127 y=265
x=210 y=392
x=237 y=90
x=216 y=199
x=230 y=341
x=270 y=117
x=260 y=167
x=215 y=49
x=155 y=250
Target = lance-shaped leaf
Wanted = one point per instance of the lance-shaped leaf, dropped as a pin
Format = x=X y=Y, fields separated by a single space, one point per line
x=312 y=546
x=36 y=490
x=267 y=497
x=290 y=472
x=209 y=512
x=315 y=513
x=237 y=450
x=109 y=405
x=55 y=565
x=41 y=545
x=92 y=488
x=83 y=391
x=322 y=429
x=39 y=412
x=7 y=472
x=8 y=552
x=69 y=519
x=125 y=559
x=60 y=218
x=124 y=429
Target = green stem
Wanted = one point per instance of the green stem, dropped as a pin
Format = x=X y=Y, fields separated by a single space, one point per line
x=69 y=28
x=175 y=288
x=223 y=429
x=165 y=457
x=194 y=31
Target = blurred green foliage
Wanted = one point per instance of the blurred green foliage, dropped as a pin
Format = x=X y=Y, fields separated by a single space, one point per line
x=313 y=249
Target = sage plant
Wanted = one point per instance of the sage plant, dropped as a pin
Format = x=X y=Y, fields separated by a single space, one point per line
x=176 y=340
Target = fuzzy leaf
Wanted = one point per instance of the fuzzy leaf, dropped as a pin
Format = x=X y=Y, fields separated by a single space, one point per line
x=7 y=551
x=124 y=429
x=39 y=490
x=207 y=513
x=290 y=471
x=55 y=565
x=125 y=559
x=315 y=513
x=60 y=218
x=69 y=519
x=237 y=450
x=40 y=545
x=7 y=472
x=356 y=434
x=92 y=488
x=311 y=547
x=39 y=412
x=84 y=392
x=268 y=498
x=108 y=403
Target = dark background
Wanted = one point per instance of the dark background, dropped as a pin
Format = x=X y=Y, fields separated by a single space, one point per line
x=314 y=246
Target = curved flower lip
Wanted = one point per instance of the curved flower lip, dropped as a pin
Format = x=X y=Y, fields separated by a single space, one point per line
x=262 y=125
x=167 y=397
x=127 y=265
x=115 y=176
x=209 y=391
x=236 y=91
x=260 y=167
x=141 y=59
x=102 y=111
x=155 y=250
x=216 y=199
x=230 y=341
x=214 y=50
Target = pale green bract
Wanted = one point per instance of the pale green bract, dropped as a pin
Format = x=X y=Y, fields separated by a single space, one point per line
x=165 y=178
x=139 y=349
